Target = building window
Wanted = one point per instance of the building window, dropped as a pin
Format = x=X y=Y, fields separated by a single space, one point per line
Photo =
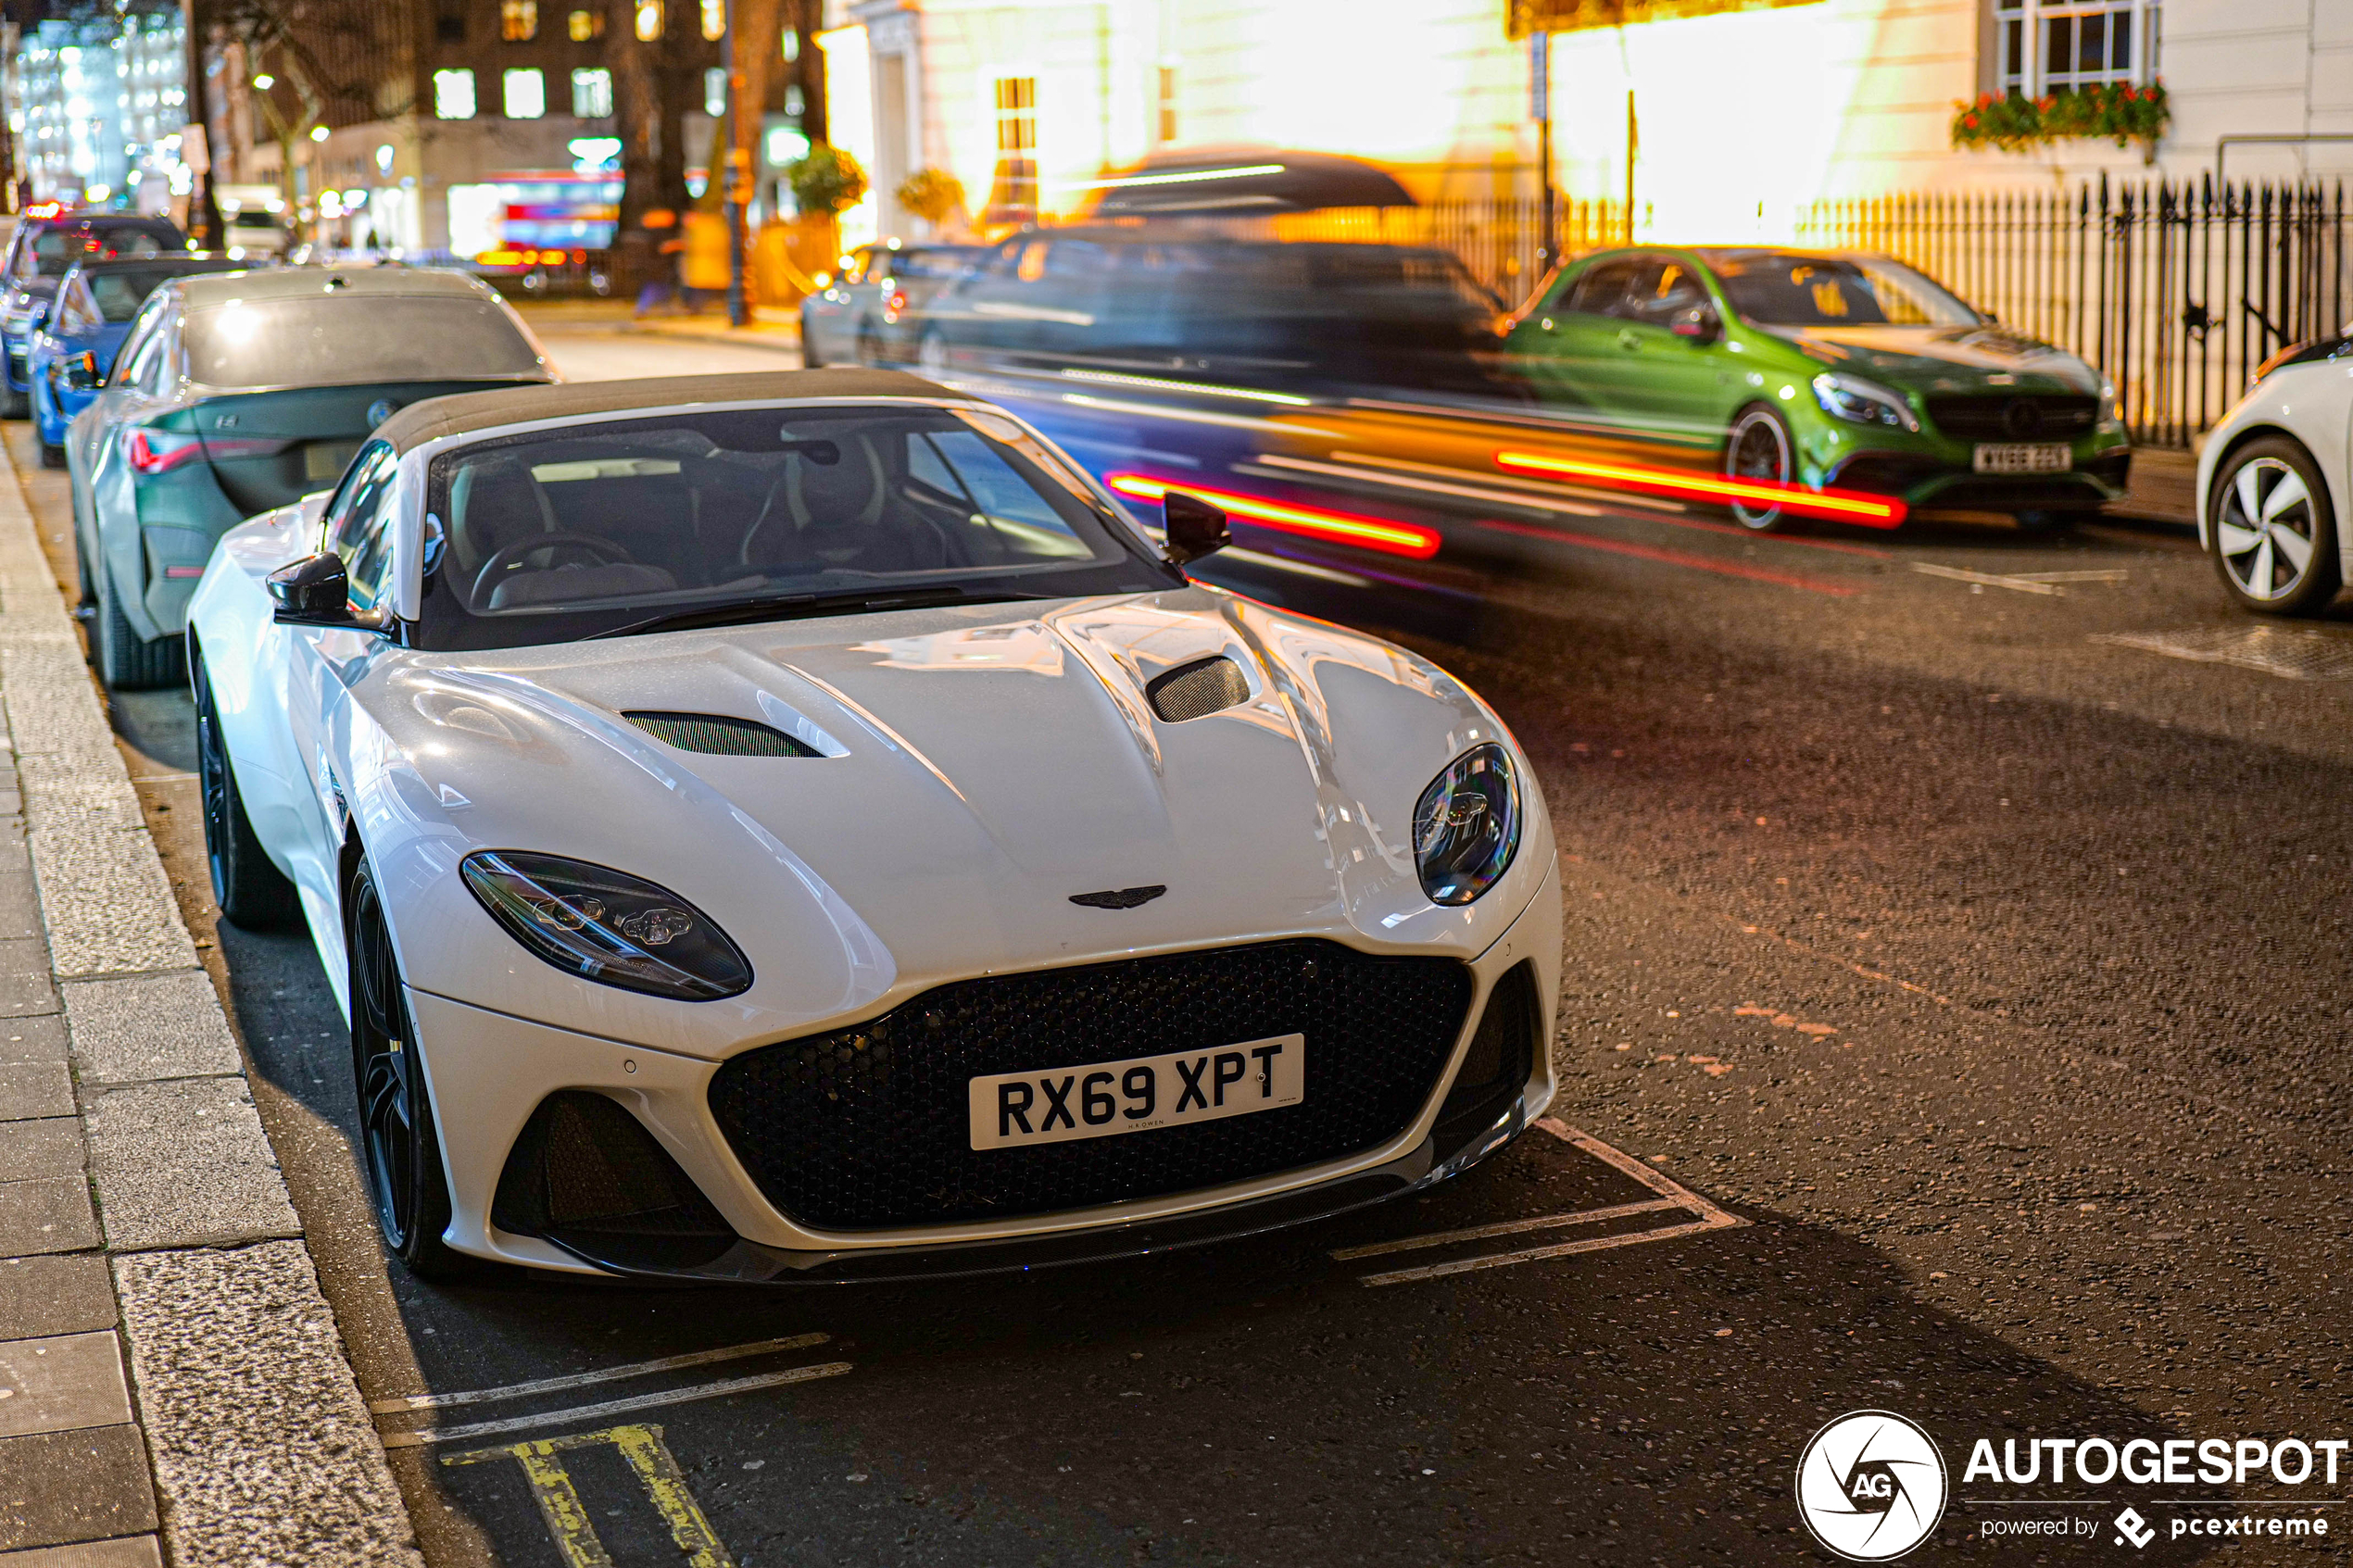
x=650 y=20
x=1012 y=194
x=449 y=22
x=714 y=20
x=2054 y=46
x=592 y=95
x=453 y=94
x=1167 y=127
x=526 y=93
x=715 y=93
x=585 y=27
x=517 y=20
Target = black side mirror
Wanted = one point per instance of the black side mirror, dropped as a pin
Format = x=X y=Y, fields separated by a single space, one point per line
x=1191 y=527
x=1697 y=323
x=78 y=373
x=315 y=591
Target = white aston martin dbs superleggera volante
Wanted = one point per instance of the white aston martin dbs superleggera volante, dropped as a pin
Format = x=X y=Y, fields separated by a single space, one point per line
x=797 y=826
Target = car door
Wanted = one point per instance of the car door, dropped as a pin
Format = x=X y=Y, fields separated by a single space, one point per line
x=1665 y=371
x=323 y=662
x=1571 y=356
x=132 y=390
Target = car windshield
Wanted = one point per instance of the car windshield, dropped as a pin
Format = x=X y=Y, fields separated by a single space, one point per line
x=54 y=250
x=1787 y=289
x=332 y=341
x=720 y=516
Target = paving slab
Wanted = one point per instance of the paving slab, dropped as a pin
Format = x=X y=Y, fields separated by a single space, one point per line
x=62 y=1487
x=126 y=1552
x=30 y=1150
x=108 y=903
x=148 y=1028
x=70 y=1294
x=41 y=1038
x=31 y=1089
x=52 y=1215
x=242 y=1484
x=19 y=901
x=184 y=1163
x=62 y=1384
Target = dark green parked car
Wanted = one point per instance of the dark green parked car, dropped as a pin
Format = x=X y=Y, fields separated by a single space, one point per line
x=1829 y=370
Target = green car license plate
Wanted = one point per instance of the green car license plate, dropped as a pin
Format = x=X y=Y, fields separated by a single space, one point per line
x=2023 y=456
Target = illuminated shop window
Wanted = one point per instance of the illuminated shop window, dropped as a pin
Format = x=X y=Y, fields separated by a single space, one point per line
x=1167 y=127
x=715 y=93
x=2049 y=46
x=592 y=93
x=517 y=20
x=585 y=26
x=714 y=20
x=649 y=20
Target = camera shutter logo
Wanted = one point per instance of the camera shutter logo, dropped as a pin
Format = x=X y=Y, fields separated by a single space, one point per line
x=1870 y=1486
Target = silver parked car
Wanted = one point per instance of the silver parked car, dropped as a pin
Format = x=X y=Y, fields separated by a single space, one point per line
x=869 y=315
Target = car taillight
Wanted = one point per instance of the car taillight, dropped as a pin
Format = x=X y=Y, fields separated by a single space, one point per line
x=159 y=451
x=897 y=300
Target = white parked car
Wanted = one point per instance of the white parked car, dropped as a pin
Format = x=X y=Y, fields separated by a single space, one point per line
x=797 y=826
x=2276 y=479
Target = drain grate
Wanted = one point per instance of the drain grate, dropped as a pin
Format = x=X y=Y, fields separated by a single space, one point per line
x=2294 y=653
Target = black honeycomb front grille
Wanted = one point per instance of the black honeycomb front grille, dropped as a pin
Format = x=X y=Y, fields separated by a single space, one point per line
x=865 y=1127
x=2014 y=417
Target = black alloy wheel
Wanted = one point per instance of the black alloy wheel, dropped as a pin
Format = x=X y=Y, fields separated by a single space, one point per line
x=52 y=455
x=127 y=662
x=89 y=589
x=400 y=1148
x=249 y=890
x=1759 y=447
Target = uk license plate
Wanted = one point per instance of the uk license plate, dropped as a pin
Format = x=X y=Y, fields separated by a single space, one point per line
x=1106 y=1099
x=2023 y=456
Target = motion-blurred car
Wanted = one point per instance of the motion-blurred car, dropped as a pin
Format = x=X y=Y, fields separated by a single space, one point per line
x=797 y=826
x=238 y=393
x=39 y=253
x=2276 y=476
x=869 y=314
x=97 y=300
x=1223 y=317
x=1830 y=371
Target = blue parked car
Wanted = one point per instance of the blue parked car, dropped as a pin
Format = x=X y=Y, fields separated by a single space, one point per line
x=46 y=242
x=74 y=347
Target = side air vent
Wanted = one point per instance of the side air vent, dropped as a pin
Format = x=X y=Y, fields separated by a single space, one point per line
x=586 y=1175
x=1200 y=687
x=717 y=735
x=1496 y=1068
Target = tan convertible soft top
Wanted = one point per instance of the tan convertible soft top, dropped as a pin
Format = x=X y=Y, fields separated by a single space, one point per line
x=439 y=416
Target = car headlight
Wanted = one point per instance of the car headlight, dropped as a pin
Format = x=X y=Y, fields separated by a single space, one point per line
x=2108 y=412
x=1862 y=403
x=1467 y=826
x=606 y=926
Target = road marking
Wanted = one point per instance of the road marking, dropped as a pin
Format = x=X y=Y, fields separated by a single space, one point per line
x=1672 y=1194
x=2116 y=575
x=617 y=1407
x=584 y=1379
x=1989 y=580
x=1508 y=1227
x=1673 y=557
x=2291 y=653
x=567 y=1517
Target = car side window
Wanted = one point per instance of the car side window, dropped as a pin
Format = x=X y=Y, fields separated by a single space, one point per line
x=359 y=525
x=157 y=372
x=1601 y=289
x=138 y=347
x=1664 y=288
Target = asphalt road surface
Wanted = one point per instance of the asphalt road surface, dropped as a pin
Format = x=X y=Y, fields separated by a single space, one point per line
x=1960 y=994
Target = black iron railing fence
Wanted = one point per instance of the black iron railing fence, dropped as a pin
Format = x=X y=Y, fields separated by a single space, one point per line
x=2176 y=292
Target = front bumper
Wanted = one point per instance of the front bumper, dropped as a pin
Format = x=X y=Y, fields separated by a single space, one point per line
x=1927 y=479
x=490 y=1073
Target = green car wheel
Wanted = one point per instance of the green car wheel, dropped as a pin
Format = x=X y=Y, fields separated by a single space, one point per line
x=1759 y=447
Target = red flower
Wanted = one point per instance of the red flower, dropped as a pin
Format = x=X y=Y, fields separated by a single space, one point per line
x=1985 y=101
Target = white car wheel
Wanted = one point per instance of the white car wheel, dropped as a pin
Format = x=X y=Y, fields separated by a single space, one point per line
x=2274 y=531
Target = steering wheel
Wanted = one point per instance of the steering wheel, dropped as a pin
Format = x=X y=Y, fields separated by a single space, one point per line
x=512 y=555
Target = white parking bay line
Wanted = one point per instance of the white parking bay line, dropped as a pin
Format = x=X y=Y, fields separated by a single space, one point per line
x=617 y=1407
x=586 y=1379
x=1672 y=1196
x=1508 y=1227
x=1989 y=580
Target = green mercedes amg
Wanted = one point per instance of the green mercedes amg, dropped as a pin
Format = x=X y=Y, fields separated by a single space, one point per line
x=1828 y=369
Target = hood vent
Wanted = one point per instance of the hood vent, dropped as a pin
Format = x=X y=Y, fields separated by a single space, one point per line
x=717 y=735
x=1201 y=687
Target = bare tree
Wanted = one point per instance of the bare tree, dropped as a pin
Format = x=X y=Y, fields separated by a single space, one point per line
x=311 y=63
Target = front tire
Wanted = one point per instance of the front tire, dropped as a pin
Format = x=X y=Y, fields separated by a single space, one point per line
x=2274 y=531
x=809 y=358
x=52 y=455
x=250 y=891
x=14 y=404
x=401 y=1147
x=1761 y=447
x=127 y=662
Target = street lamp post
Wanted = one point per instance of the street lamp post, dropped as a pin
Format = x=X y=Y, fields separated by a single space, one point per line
x=739 y=309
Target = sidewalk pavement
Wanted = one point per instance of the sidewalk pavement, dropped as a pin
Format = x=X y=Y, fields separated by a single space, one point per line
x=172 y=1386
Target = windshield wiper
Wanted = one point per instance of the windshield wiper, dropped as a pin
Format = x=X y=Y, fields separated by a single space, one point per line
x=844 y=601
